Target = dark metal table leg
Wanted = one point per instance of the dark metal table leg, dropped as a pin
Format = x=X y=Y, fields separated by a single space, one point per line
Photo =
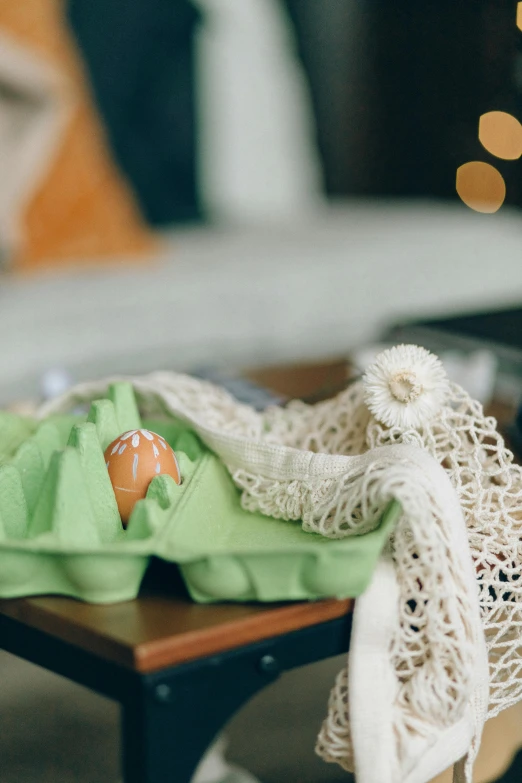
x=170 y=718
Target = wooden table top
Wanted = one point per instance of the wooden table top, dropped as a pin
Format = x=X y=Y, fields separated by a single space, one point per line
x=163 y=626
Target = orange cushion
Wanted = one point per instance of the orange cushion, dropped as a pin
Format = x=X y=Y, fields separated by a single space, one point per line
x=83 y=210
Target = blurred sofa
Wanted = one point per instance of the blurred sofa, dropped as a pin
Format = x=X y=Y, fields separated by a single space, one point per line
x=313 y=287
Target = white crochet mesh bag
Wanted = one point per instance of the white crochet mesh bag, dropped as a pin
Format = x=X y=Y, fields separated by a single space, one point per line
x=435 y=639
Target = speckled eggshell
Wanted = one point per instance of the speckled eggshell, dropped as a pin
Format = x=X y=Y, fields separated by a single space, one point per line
x=133 y=460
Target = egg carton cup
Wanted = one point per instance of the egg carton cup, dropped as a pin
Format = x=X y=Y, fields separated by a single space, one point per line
x=61 y=533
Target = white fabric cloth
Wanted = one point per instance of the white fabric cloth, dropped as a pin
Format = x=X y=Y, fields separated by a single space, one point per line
x=258 y=156
x=416 y=694
x=214 y=768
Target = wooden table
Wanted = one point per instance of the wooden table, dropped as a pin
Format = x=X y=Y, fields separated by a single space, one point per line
x=179 y=669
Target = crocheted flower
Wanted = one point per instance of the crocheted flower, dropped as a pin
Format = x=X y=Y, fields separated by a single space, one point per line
x=405 y=387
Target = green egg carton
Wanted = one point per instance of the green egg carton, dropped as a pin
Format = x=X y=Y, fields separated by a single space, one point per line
x=60 y=531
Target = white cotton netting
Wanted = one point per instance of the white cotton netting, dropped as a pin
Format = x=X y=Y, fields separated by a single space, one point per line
x=489 y=486
x=274 y=458
x=431 y=650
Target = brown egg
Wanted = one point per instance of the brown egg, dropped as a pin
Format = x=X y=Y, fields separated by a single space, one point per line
x=133 y=460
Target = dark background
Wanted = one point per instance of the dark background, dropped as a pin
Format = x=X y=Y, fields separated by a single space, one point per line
x=397 y=90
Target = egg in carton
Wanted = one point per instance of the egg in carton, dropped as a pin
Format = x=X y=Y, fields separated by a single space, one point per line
x=66 y=528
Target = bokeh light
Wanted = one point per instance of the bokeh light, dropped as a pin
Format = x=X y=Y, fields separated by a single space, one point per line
x=519 y=16
x=480 y=186
x=501 y=134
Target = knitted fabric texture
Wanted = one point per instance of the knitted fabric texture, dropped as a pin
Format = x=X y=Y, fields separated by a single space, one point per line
x=447 y=582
